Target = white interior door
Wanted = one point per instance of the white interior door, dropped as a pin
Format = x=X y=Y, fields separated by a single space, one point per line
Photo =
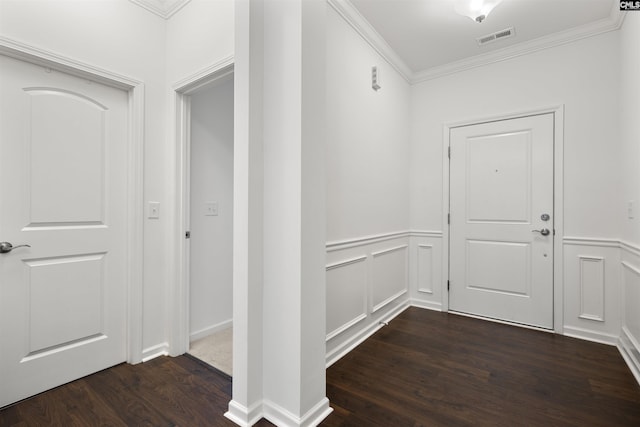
x=501 y=226
x=63 y=163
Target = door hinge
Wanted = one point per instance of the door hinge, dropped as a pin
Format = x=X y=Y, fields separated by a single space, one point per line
x=449 y=152
x=448 y=218
x=448 y=285
x=187 y=235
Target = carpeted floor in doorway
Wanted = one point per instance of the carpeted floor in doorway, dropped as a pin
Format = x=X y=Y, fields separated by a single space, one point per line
x=216 y=350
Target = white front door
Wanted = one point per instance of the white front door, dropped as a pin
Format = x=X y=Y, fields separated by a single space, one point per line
x=501 y=226
x=63 y=189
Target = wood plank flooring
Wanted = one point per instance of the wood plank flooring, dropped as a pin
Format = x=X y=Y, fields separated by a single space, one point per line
x=436 y=369
x=424 y=369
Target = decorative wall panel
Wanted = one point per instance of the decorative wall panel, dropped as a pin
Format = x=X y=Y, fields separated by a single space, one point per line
x=592 y=288
x=389 y=275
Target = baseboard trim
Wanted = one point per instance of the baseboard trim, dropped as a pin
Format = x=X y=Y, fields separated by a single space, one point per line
x=315 y=415
x=587 y=335
x=429 y=305
x=155 y=351
x=630 y=351
x=281 y=417
x=388 y=301
x=337 y=353
x=205 y=332
x=243 y=416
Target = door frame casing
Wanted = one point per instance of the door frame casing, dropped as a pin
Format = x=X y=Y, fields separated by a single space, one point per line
x=179 y=304
x=558 y=199
x=135 y=166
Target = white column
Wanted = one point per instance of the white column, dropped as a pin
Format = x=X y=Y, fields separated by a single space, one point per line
x=245 y=407
x=280 y=234
x=294 y=212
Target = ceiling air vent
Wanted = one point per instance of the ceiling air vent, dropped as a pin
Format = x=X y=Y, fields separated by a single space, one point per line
x=498 y=35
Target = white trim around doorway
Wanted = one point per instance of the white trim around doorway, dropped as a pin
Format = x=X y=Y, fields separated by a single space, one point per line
x=179 y=265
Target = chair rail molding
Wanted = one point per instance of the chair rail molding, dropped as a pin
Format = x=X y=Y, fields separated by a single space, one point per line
x=367 y=285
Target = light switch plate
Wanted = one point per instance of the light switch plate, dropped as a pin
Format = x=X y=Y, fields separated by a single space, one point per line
x=211 y=208
x=154 y=210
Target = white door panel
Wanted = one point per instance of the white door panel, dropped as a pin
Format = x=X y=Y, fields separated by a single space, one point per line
x=501 y=183
x=59 y=154
x=63 y=157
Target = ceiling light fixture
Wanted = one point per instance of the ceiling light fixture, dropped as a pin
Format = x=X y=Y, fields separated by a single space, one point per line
x=477 y=10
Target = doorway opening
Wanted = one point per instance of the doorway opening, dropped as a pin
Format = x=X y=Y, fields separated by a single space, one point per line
x=211 y=224
x=203 y=318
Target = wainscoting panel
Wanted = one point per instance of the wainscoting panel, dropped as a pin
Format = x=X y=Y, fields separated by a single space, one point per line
x=372 y=279
x=425 y=270
x=591 y=289
x=389 y=276
x=629 y=343
x=367 y=285
x=346 y=294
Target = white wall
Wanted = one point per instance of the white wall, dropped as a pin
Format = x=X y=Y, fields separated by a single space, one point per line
x=198 y=36
x=367 y=189
x=120 y=37
x=630 y=138
x=582 y=76
x=367 y=139
x=211 y=243
x=629 y=129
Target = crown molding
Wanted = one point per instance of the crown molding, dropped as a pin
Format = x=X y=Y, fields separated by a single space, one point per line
x=351 y=15
x=163 y=8
x=611 y=23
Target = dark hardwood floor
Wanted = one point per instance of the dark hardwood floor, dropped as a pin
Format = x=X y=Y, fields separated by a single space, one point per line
x=436 y=369
x=424 y=369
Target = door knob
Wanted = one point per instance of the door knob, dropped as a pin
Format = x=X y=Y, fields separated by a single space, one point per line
x=544 y=231
x=8 y=247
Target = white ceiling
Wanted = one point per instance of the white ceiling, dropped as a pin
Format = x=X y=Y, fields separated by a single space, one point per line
x=424 y=37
